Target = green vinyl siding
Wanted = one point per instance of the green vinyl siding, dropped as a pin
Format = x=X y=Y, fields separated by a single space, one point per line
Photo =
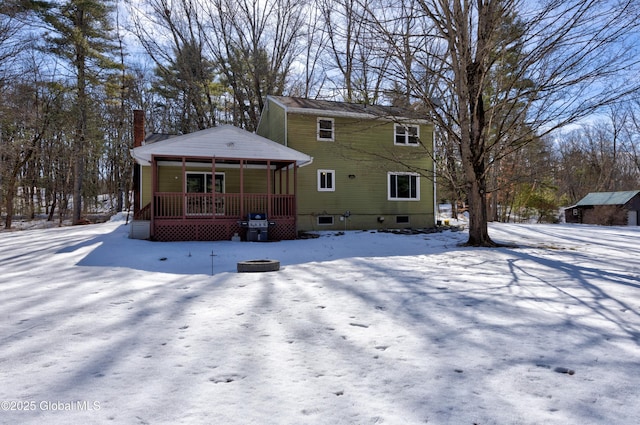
x=272 y=123
x=365 y=150
x=145 y=186
x=170 y=179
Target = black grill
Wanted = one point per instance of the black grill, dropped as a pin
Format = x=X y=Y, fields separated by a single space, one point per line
x=257 y=227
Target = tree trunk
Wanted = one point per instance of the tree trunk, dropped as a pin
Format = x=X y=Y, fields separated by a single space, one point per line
x=474 y=173
x=9 y=196
x=78 y=171
x=81 y=123
x=476 y=73
x=53 y=208
x=11 y=183
x=478 y=228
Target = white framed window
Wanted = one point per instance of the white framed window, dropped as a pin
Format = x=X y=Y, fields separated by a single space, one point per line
x=198 y=185
x=325 y=220
x=201 y=182
x=326 y=130
x=326 y=181
x=403 y=186
x=406 y=135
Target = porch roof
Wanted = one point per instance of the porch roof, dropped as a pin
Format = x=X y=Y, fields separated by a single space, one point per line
x=224 y=142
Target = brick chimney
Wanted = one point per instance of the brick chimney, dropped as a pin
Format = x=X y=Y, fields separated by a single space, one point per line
x=138 y=138
x=138 y=127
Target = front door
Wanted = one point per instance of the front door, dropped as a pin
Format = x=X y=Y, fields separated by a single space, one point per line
x=199 y=186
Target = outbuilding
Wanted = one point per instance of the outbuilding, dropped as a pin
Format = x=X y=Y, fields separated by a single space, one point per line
x=606 y=208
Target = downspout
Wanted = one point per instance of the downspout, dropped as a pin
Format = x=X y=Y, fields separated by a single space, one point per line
x=435 y=174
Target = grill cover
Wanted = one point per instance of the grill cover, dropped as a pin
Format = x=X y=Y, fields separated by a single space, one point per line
x=257 y=216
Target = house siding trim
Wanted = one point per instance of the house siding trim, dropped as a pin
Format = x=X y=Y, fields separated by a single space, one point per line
x=345 y=114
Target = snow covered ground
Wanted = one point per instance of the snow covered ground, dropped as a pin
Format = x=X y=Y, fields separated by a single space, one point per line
x=361 y=328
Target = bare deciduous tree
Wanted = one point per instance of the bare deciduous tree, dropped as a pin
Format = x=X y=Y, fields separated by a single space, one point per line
x=11 y=41
x=255 y=44
x=312 y=77
x=173 y=35
x=356 y=62
x=600 y=156
x=575 y=57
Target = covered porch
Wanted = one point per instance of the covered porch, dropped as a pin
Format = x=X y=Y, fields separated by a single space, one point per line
x=204 y=198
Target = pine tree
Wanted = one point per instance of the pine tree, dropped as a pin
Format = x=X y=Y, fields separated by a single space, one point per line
x=80 y=34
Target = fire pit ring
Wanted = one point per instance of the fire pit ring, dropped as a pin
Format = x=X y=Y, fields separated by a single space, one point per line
x=254 y=266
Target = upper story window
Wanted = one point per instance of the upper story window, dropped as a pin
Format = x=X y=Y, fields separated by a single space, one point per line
x=407 y=135
x=326 y=129
x=326 y=180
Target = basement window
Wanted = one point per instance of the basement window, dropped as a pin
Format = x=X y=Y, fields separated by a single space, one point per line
x=402 y=219
x=325 y=220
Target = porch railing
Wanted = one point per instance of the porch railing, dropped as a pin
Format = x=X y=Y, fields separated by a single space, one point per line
x=144 y=213
x=222 y=205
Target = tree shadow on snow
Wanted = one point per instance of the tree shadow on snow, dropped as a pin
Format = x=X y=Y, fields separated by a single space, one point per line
x=115 y=249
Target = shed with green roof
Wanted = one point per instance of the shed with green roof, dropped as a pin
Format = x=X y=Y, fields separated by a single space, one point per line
x=606 y=208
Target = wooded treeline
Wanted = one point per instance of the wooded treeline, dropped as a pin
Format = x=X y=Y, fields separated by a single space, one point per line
x=72 y=72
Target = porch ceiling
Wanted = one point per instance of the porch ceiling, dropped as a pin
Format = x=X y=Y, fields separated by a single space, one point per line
x=227 y=144
x=221 y=163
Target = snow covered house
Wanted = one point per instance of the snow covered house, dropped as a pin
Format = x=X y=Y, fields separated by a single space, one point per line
x=606 y=208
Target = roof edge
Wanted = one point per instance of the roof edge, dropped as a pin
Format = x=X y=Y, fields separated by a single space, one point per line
x=345 y=114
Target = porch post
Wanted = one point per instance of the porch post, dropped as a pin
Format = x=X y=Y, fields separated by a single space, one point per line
x=242 y=189
x=269 y=197
x=184 y=188
x=295 y=194
x=214 y=209
x=154 y=188
x=288 y=192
